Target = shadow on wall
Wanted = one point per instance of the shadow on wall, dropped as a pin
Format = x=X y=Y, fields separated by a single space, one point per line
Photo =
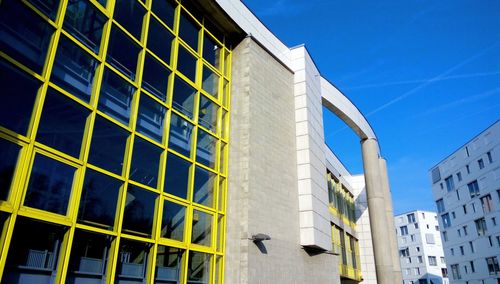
x=361 y=204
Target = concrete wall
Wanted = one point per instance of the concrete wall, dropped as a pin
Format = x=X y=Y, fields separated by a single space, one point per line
x=263 y=192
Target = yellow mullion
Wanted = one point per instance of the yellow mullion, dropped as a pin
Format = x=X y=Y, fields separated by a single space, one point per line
x=162 y=23
x=70 y=95
x=95 y=229
x=172 y=243
x=163 y=63
x=150 y=140
x=101 y=8
x=6 y=242
x=21 y=66
x=114 y=121
x=137 y=238
x=64 y=254
x=183 y=116
x=126 y=32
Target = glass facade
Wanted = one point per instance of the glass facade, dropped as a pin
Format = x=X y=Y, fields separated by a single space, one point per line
x=113 y=143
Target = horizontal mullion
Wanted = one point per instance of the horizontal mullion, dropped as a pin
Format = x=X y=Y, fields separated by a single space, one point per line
x=127 y=236
x=123 y=29
x=44 y=216
x=156 y=143
x=105 y=172
x=96 y=229
x=144 y=187
x=71 y=96
x=21 y=66
x=82 y=46
x=57 y=155
x=14 y=137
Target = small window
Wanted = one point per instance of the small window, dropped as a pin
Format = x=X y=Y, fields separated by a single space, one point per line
x=464 y=207
x=415 y=225
x=462 y=251
x=453 y=215
x=471 y=246
x=432 y=260
x=481 y=226
x=473 y=189
x=429 y=238
x=486 y=203
x=465 y=229
x=404 y=230
x=492 y=263
x=450 y=185
x=446 y=220
x=440 y=205
x=490 y=157
x=468 y=169
x=480 y=163
x=459 y=176
x=411 y=218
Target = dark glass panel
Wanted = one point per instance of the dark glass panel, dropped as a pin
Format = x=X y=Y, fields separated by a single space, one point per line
x=168 y=265
x=159 y=40
x=210 y=82
x=155 y=77
x=198 y=268
x=205 y=149
x=62 y=123
x=50 y=184
x=180 y=135
x=172 y=226
x=99 y=199
x=18 y=98
x=183 y=97
x=108 y=145
x=74 y=69
x=211 y=51
x=165 y=10
x=189 y=30
x=203 y=190
x=129 y=13
x=132 y=262
x=122 y=52
x=139 y=211
x=145 y=162
x=23 y=34
x=116 y=97
x=202 y=228
x=207 y=114
x=85 y=22
x=33 y=253
x=150 y=118
x=9 y=153
x=176 y=176
x=48 y=7
x=186 y=63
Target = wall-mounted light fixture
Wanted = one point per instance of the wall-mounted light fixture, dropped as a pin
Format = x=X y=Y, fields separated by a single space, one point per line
x=260 y=237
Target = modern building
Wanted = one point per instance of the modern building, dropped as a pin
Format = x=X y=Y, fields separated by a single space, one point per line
x=420 y=248
x=119 y=164
x=466 y=188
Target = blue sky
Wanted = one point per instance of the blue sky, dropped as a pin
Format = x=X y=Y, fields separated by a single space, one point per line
x=426 y=74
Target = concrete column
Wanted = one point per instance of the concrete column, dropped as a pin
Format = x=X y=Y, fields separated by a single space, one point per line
x=376 y=207
x=398 y=278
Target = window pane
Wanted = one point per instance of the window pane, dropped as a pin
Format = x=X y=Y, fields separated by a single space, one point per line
x=225 y=93
x=145 y=162
x=150 y=118
x=188 y=30
x=204 y=183
x=74 y=69
x=36 y=256
x=62 y=123
x=176 y=176
x=108 y=145
x=186 y=63
x=155 y=77
x=222 y=193
x=87 y=263
x=224 y=123
x=132 y=262
x=99 y=199
x=207 y=114
x=165 y=10
x=50 y=184
x=211 y=51
x=48 y=7
x=129 y=13
x=172 y=226
x=159 y=39
x=210 y=82
x=23 y=34
x=183 y=97
x=220 y=232
x=168 y=265
x=9 y=153
x=202 y=228
x=84 y=21
x=116 y=97
x=139 y=211
x=122 y=52
x=205 y=149
x=180 y=135
x=198 y=267
x=223 y=154
x=18 y=97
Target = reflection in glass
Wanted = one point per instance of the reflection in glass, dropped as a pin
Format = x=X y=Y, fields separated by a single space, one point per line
x=183 y=97
x=47 y=7
x=207 y=114
x=165 y=10
x=9 y=153
x=205 y=149
x=168 y=265
x=108 y=145
x=180 y=135
x=33 y=259
x=210 y=82
x=172 y=226
x=225 y=93
x=188 y=30
x=211 y=51
x=99 y=199
x=24 y=35
x=129 y=13
x=186 y=63
x=84 y=21
x=222 y=193
x=122 y=52
x=139 y=211
x=224 y=125
x=50 y=184
x=202 y=228
x=132 y=262
x=159 y=39
x=203 y=190
x=62 y=123
x=218 y=270
x=89 y=254
x=176 y=176
x=155 y=77
x=145 y=162
x=198 y=268
x=18 y=97
x=74 y=69
x=150 y=118
x=115 y=98
x=223 y=154
x=220 y=232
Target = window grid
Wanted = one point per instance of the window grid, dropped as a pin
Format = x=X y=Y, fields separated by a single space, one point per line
x=30 y=147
